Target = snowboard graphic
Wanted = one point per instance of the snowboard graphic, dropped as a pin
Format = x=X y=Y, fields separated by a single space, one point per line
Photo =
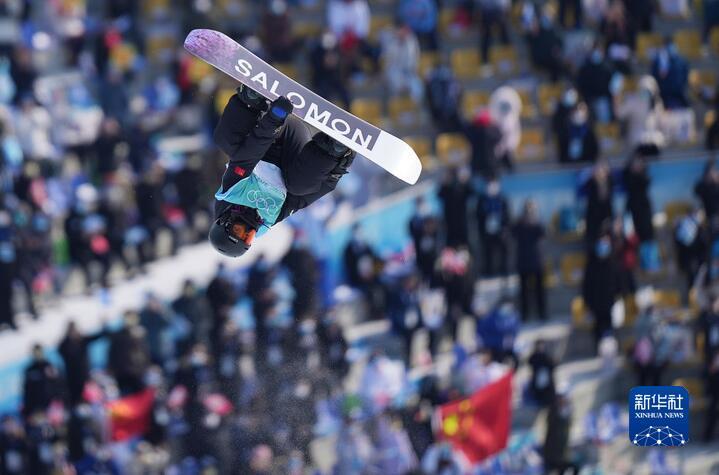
x=382 y=148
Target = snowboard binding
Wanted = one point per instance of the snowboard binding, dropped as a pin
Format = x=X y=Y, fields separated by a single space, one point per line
x=343 y=154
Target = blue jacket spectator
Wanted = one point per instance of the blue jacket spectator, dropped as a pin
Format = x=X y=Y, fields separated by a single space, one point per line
x=421 y=16
x=672 y=74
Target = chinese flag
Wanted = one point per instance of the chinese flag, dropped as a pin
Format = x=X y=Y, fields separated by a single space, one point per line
x=478 y=426
x=130 y=416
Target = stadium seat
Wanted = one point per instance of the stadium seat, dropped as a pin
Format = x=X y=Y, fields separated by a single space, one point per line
x=647 y=45
x=709 y=118
x=446 y=17
x=452 y=149
x=504 y=60
x=199 y=70
x=367 y=109
x=551 y=279
x=548 y=96
x=531 y=146
x=378 y=24
x=305 y=30
x=668 y=299
x=160 y=48
x=702 y=82
x=695 y=386
x=154 y=8
x=689 y=44
x=288 y=69
x=714 y=40
x=571 y=266
x=473 y=102
x=404 y=112
x=529 y=109
x=610 y=137
x=579 y=313
x=465 y=63
x=427 y=61
x=423 y=147
x=676 y=209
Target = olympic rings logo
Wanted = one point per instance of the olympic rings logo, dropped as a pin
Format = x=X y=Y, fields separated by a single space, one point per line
x=262 y=202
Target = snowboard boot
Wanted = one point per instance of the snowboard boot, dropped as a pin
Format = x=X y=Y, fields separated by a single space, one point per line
x=343 y=154
x=254 y=101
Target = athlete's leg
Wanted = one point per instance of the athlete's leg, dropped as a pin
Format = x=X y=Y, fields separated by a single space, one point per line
x=319 y=165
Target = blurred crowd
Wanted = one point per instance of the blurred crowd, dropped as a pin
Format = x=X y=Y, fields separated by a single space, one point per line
x=102 y=164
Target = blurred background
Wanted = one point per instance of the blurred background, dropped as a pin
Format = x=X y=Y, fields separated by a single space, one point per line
x=560 y=247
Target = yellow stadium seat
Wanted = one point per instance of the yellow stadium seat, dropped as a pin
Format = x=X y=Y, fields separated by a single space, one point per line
x=695 y=386
x=610 y=137
x=669 y=299
x=709 y=118
x=714 y=40
x=367 y=109
x=529 y=110
x=579 y=313
x=446 y=17
x=427 y=62
x=702 y=82
x=473 y=102
x=647 y=45
x=423 y=148
x=307 y=30
x=222 y=97
x=549 y=95
x=571 y=266
x=452 y=149
x=689 y=43
x=504 y=60
x=531 y=145
x=160 y=48
x=551 y=279
x=152 y=8
x=630 y=310
x=288 y=69
x=378 y=24
x=676 y=209
x=404 y=112
x=465 y=63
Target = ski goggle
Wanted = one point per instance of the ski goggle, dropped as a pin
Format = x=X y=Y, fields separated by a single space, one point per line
x=242 y=232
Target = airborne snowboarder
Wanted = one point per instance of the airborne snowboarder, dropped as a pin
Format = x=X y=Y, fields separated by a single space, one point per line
x=275 y=168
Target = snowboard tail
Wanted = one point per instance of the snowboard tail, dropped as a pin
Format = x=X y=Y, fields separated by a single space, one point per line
x=384 y=149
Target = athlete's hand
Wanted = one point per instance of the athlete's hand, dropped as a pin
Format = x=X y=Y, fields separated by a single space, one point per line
x=280 y=109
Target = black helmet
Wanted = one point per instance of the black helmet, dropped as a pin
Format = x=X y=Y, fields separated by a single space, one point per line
x=234 y=229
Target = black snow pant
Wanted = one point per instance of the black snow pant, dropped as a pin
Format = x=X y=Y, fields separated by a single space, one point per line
x=247 y=138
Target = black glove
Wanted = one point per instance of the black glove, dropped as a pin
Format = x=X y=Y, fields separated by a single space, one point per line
x=279 y=110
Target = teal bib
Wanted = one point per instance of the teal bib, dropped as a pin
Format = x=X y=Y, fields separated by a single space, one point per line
x=263 y=190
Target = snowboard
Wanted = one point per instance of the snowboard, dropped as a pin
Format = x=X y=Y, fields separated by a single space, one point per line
x=382 y=148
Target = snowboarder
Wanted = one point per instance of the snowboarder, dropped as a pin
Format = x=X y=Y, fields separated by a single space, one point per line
x=275 y=168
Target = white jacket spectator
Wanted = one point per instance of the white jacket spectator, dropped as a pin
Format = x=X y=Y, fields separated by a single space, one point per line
x=401 y=63
x=505 y=106
x=643 y=112
x=352 y=16
x=33 y=127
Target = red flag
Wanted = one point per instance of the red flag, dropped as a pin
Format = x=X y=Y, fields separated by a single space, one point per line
x=130 y=416
x=478 y=426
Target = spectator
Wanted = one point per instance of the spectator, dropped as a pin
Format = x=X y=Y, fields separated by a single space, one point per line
x=711 y=17
x=712 y=385
x=505 y=105
x=41 y=384
x=441 y=459
x=637 y=182
x=327 y=76
x=220 y=292
x=14 y=450
x=192 y=306
x=349 y=21
x=454 y=194
x=546 y=46
x=484 y=136
x=625 y=246
x=528 y=234
x=600 y=190
x=458 y=275
x=557 y=456
x=304 y=277
x=561 y=116
x=712 y=138
x=576 y=137
x=671 y=72
x=400 y=52
x=7 y=270
x=361 y=268
x=594 y=83
x=643 y=112
x=541 y=383
x=619 y=34
x=709 y=329
x=493 y=220
x=498 y=330
x=690 y=241
x=424 y=231
x=128 y=356
x=444 y=94
x=494 y=15
x=156 y=322
x=74 y=351
x=641 y=13
x=276 y=32
x=421 y=16
x=601 y=284
x=707 y=190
